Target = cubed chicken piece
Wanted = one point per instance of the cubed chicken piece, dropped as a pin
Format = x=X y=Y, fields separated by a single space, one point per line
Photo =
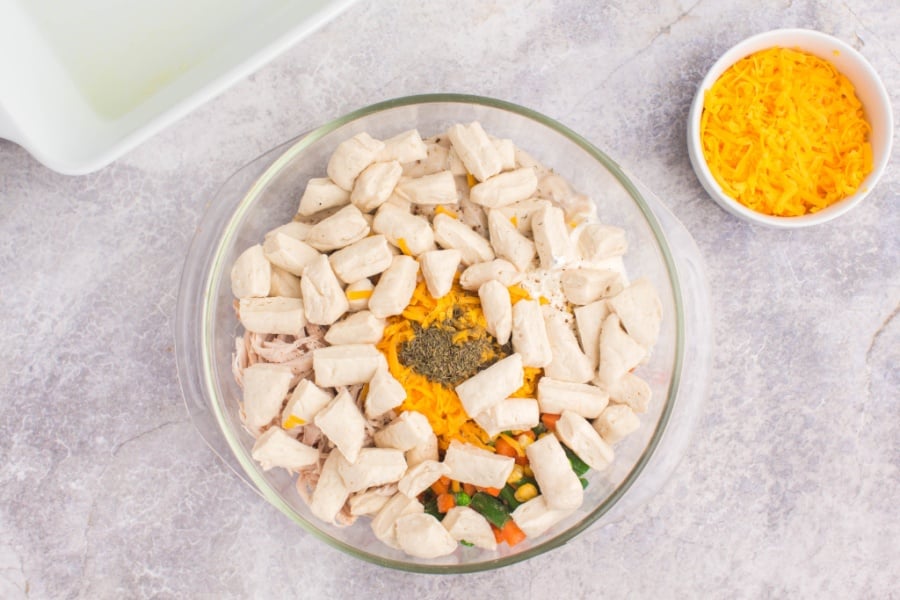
x=492 y=385
x=395 y=287
x=330 y=494
x=265 y=387
x=470 y=464
x=559 y=484
x=619 y=352
x=251 y=274
x=521 y=213
x=589 y=320
x=535 y=517
x=289 y=253
x=422 y=535
x=631 y=390
x=436 y=160
x=358 y=294
x=439 y=269
x=275 y=448
x=616 y=422
x=347 y=364
x=372 y=467
x=455 y=163
x=512 y=414
x=452 y=233
x=582 y=439
x=272 y=315
x=581 y=398
x=418 y=478
x=507 y=151
x=283 y=283
x=358 y=328
x=295 y=229
x=404 y=147
x=341 y=229
x=583 y=286
x=383 y=524
x=375 y=184
x=385 y=393
x=476 y=150
x=498 y=269
x=551 y=237
x=351 y=157
x=408 y=232
x=529 y=334
x=508 y=243
x=324 y=300
x=425 y=451
x=597 y=242
x=506 y=188
x=365 y=258
x=568 y=362
x=368 y=502
x=497 y=309
x=305 y=402
x=405 y=432
x=343 y=424
x=465 y=525
x=437 y=188
x=640 y=312
x=321 y=193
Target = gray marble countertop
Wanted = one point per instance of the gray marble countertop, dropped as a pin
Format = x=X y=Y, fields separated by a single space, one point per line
x=790 y=486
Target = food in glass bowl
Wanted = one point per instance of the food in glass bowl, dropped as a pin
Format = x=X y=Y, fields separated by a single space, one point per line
x=442 y=340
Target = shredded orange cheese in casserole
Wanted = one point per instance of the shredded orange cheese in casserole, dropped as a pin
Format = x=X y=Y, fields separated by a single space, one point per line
x=439 y=403
x=784 y=133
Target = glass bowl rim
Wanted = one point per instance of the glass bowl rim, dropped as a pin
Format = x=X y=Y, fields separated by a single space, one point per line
x=211 y=271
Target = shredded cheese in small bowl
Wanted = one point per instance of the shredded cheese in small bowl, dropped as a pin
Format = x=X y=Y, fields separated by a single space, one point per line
x=790 y=128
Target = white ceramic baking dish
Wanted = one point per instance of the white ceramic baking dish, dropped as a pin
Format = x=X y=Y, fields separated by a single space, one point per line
x=84 y=81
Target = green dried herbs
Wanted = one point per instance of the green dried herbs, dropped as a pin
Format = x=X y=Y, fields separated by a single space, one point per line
x=433 y=354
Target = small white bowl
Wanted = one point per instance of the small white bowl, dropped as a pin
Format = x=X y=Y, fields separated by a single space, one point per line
x=869 y=89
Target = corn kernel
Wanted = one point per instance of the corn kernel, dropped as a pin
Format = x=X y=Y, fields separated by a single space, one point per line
x=526 y=471
x=524 y=440
x=516 y=474
x=526 y=492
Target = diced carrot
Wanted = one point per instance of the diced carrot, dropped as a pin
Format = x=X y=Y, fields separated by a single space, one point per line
x=510 y=533
x=549 y=420
x=441 y=486
x=469 y=488
x=445 y=502
x=522 y=460
x=504 y=448
x=497 y=535
x=492 y=491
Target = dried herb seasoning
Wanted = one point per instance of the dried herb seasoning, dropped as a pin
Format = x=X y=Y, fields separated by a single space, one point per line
x=433 y=353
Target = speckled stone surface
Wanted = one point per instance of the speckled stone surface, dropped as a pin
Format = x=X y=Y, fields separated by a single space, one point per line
x=790 y=487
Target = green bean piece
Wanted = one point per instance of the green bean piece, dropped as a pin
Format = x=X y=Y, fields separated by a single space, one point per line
x=490 y=508
x=508 y=496
x=579 y=466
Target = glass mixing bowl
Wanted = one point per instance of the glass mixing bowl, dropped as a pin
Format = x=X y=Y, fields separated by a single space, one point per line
x=265 y=193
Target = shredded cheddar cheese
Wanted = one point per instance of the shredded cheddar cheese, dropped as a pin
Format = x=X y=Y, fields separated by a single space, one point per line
x=359 y=294
x=438 y=402
x=401 y=243
x=784 y=133
x=441 y=210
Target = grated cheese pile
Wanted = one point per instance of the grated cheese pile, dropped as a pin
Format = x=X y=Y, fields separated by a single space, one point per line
x=439 y=403
x=784 y=133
